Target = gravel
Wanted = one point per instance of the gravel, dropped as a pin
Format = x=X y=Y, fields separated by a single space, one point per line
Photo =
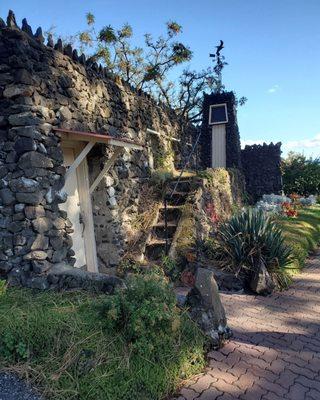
x=13 y=388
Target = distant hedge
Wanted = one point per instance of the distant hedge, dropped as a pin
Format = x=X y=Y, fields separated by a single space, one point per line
x=301 y=174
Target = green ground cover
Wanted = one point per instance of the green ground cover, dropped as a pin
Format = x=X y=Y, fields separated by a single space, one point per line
x=302 y=234
x=85 y=346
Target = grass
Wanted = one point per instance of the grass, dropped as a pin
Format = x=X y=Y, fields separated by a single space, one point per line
x=60 y=342
x=302 y=234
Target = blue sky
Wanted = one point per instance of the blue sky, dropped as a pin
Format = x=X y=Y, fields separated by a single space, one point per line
x=272 y=47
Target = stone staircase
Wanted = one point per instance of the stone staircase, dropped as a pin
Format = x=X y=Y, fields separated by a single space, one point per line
x=156 y=245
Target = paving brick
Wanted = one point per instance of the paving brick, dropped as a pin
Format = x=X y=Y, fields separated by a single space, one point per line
x=296 y=391
x=216 y=355
x=272 y=396
x=272 y=387
x=189 y=394
x=202 y=383
x=246 y=381
x=210 y=394
x=253 y=393
x=286 y=379
x=275 y=353
x=313 y=394
x=222 y=375
x=309 y=383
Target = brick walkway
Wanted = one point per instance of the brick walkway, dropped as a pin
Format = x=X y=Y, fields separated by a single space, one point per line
x=275 y=351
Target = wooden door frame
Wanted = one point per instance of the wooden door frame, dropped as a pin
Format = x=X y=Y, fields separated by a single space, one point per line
x=85 y=206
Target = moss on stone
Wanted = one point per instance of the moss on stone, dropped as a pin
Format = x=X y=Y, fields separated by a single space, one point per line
x=218 y=192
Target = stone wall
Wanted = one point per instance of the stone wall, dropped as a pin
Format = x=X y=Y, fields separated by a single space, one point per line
x=262 y=170
x=46 y=86
x=233 y=149
x=216 y=194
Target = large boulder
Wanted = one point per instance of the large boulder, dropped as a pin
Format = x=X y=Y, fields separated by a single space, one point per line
x=63 y=276
x=206 y=308
x=261 y=282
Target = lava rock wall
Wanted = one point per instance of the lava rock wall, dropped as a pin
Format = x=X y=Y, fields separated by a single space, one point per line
x=46 y=86
x=262 y=170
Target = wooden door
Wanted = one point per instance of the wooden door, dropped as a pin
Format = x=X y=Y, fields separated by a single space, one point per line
x=219 y=146
x=79 y=210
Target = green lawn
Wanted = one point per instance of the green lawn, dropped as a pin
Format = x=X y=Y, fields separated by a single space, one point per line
x=61 y=342
x=302 y=234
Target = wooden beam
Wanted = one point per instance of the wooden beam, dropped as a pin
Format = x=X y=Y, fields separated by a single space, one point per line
x=106 y=168
x=79 y=159
x=152 y=132
x=127 y=145
x=98 y=138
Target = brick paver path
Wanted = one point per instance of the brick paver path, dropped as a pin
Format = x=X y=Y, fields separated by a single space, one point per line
x=275 y=351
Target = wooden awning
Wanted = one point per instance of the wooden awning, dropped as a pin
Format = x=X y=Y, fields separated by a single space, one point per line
x=95 y=137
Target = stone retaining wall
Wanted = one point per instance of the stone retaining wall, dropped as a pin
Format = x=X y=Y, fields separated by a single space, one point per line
x=262 y=169
x=46 y=86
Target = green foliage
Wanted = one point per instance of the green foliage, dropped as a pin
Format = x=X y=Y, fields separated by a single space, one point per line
x=245 y=239
x=12 y=348
x=302 y=234
x=107 y=35
x=148 y=67
x=145 y=313
x=90 y=18
x=3 y=287
x=163 y=158
x=301 y=175
x=128 y=266
x=160 y=177
x=170 y=267
x=61 y=342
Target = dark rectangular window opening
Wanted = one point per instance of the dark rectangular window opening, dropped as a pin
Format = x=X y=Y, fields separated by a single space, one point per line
x=218 y=114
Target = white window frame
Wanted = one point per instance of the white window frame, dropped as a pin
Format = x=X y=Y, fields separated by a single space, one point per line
x=210 y=113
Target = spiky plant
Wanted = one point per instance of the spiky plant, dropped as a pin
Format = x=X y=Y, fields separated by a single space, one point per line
x=247 y=238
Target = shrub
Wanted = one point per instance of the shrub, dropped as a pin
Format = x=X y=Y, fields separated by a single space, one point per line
x=302 y=234
x=301 y=175
x=247 y=238
x=62 y=343
x=145 y=313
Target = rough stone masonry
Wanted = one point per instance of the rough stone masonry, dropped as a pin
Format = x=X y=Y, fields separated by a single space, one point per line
x=45 y=86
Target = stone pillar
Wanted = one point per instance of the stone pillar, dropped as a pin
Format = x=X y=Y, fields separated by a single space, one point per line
x=33 y=231
x=233 y=149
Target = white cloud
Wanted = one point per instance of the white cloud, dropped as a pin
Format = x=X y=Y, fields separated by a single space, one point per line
x=295 y=145
x=312 y=143
x=274 y=89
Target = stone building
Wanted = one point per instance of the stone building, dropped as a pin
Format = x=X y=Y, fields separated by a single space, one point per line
x=76 y=152
x=220 y=147
x=78 y=147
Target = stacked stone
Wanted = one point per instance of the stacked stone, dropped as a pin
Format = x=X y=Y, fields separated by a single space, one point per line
x=233 y=148
x=262 y=169
x=34 y=233
x=42 y=86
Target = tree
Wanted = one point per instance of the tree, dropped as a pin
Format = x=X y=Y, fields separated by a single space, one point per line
x=301 y=175
x=149 y=67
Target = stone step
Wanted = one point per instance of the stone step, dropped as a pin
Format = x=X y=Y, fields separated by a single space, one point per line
x=160 y=224
x=156 y=249
x=159 y=231
x=177 y=198
x=173 y=213
x=183 y=185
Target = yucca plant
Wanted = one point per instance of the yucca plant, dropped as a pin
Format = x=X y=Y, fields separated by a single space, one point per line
x=247 y=238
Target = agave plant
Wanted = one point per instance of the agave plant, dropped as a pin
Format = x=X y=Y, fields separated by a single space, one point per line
x=246 y=239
